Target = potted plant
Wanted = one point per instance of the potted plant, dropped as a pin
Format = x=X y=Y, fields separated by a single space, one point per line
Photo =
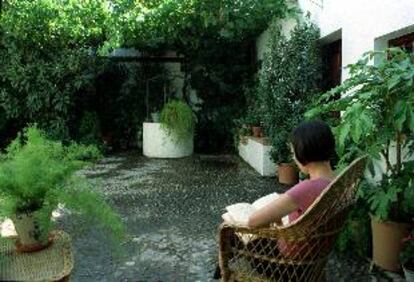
x=173 y=137
x=253 y=120
x=288 y=81
x=178 y=119
x=407 y=258
x=257 y=130
x=287 y=171
x=378 y=120
x=37 y=174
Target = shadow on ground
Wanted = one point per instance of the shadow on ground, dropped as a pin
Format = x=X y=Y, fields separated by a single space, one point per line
x=172 y=210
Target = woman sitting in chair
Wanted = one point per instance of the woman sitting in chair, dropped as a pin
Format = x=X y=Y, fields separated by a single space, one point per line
x=313 y=147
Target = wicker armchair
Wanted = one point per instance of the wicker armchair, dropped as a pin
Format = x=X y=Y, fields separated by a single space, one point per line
x=298 y=251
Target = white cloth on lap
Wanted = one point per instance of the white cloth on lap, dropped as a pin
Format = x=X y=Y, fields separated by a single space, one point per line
x=240 y=213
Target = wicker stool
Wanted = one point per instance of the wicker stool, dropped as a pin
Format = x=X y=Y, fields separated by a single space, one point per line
x=54 y=263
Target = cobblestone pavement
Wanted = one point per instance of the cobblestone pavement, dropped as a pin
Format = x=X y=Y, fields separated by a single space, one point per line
x=172 y=210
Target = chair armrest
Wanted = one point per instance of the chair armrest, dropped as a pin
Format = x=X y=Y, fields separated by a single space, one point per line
x=271 y=232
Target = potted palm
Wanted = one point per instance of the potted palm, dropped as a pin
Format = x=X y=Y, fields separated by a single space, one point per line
x=37 y=174
x=377 y=106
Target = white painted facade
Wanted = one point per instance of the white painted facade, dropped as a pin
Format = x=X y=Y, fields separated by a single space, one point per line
x=158 y=144
x=363 y=25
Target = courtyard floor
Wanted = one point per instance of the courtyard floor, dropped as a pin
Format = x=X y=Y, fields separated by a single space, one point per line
x=172 y=210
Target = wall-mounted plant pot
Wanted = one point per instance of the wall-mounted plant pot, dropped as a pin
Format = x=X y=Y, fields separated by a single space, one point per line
x=257 y=131
x=287 y=174
x=157 y=143
x=408 y=273
x=387 y=243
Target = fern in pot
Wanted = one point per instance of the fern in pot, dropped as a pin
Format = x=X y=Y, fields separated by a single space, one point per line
x=37 y=174
x=178 y=119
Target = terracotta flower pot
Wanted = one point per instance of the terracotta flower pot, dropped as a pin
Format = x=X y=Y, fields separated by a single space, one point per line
x=387 y=243
x=288 y=174
x=257 y=131
x=30 y=236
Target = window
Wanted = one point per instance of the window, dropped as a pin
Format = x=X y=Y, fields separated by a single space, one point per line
x=405 y=42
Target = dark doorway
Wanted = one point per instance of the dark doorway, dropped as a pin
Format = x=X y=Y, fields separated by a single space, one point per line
x=332 y=65
x=332 y=69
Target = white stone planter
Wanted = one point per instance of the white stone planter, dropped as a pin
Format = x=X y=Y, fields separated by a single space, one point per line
x=256 y=152
x=158 y=144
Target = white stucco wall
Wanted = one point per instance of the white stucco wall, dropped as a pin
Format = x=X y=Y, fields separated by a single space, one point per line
x=263 y=39
x=363 y=25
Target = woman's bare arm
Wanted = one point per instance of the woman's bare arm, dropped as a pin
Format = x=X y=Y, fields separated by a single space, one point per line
x=273 y=212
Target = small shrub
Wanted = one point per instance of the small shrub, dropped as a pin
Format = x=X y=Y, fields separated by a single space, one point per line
x=288 y=81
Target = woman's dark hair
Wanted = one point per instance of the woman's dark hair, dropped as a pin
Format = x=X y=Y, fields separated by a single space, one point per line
x=313 y=141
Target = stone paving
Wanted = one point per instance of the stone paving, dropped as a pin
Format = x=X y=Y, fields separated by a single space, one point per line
x=172 y=210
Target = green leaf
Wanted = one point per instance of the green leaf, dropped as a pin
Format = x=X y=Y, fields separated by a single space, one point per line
x=312 y=113
x=411 y=119
x=356 y=131
x=400 y=115
x=343 y=132
x=393 y=81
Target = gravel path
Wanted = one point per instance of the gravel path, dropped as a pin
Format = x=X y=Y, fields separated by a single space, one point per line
x=172 y=210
